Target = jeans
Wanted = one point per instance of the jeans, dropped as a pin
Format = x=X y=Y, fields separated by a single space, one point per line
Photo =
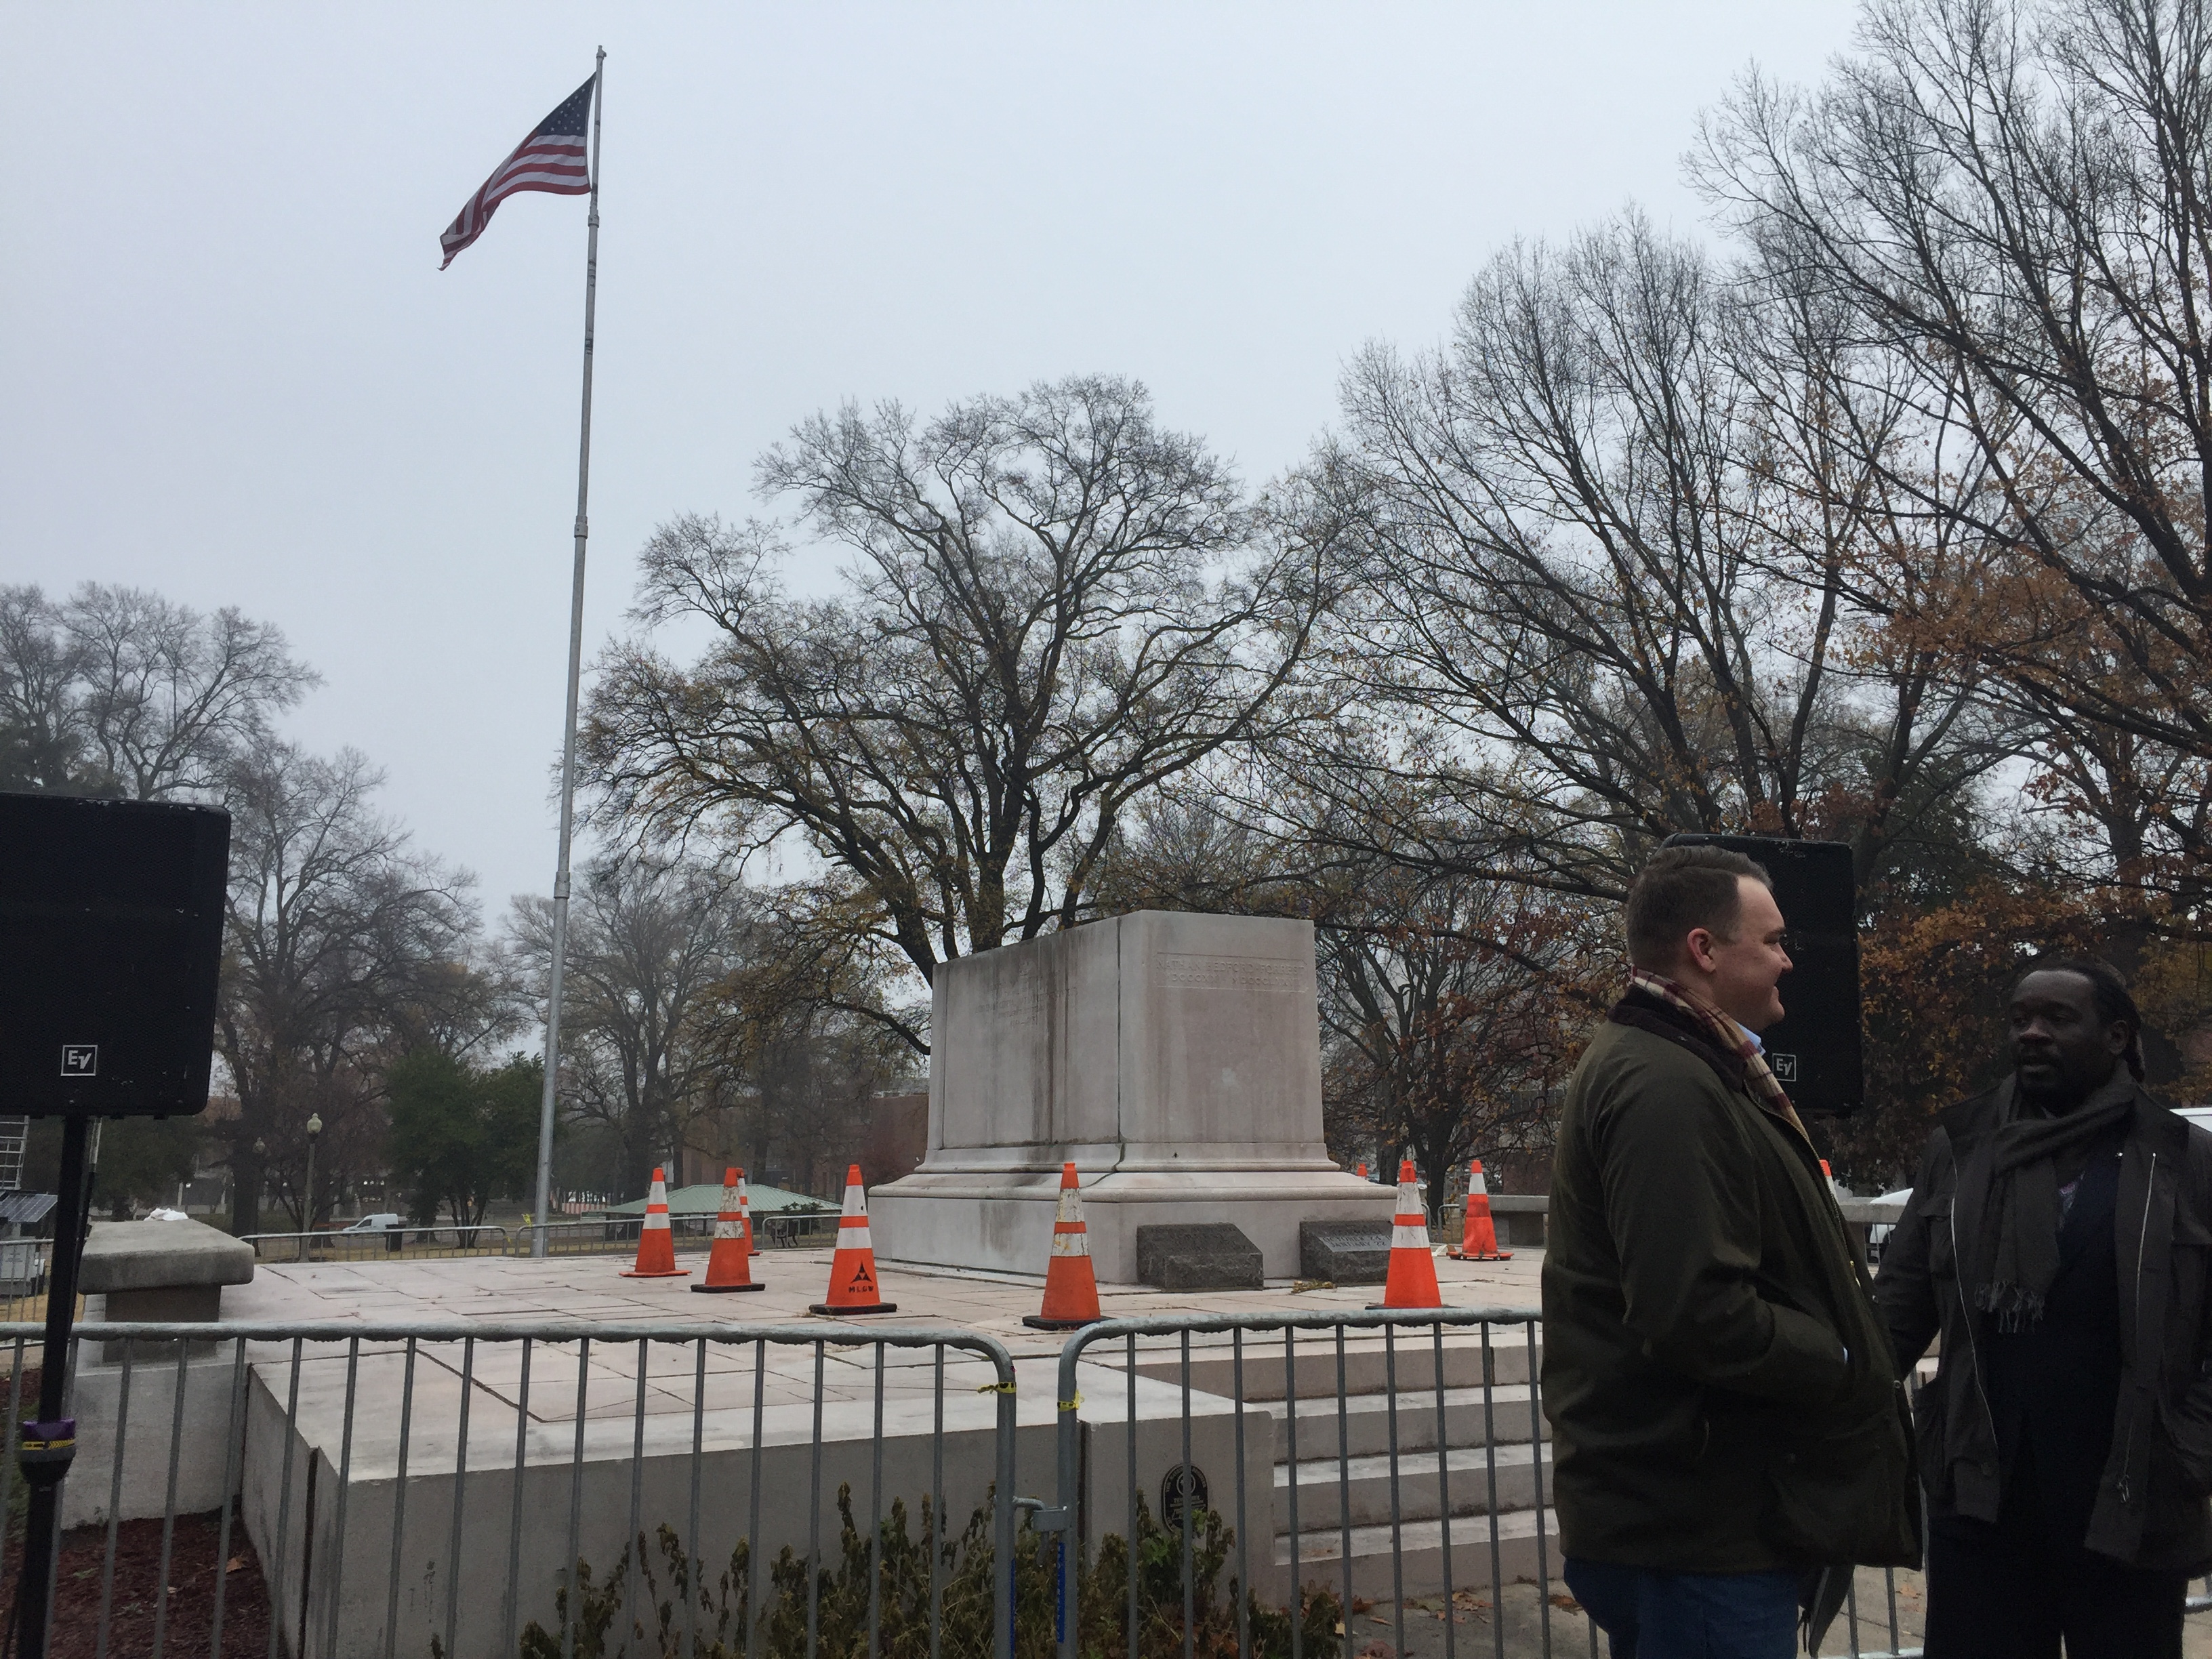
x=1647 y=1614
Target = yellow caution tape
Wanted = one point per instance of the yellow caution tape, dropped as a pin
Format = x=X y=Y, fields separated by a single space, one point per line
x=1074 y=1405
x=996 y=1387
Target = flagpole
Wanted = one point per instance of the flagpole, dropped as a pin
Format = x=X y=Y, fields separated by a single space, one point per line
x=539 y=1215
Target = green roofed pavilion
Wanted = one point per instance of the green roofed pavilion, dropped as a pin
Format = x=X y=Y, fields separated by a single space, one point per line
x=706 y=1200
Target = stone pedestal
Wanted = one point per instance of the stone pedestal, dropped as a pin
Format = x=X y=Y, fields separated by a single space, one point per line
x=1175 y=1059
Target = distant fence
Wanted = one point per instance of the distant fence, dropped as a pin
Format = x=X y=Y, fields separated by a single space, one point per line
x=613 y=1236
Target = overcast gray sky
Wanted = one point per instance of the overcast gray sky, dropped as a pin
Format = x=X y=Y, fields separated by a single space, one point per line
x=231 y=370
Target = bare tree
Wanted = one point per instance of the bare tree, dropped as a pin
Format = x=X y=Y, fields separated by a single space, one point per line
x=807 y=1031
x=336 y=930
x=42 y=737
x=1456 y=1005
x=2011 y=201
x=1054 y=606
x=118 y=691
x=1598 y=584
x=648 y=944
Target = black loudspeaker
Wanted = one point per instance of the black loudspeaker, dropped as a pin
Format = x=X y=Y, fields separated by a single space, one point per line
x=1816 y=1050
x=110 y=940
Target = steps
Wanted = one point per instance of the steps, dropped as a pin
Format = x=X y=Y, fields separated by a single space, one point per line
x=1479 y=1517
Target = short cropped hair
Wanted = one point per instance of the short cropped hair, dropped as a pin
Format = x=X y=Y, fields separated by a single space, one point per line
x=1682 y=888
x=2107 y=991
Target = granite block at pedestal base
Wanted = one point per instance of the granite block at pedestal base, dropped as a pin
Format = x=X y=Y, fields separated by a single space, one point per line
x=1002 y=1220
x=1345 y=1252
x=1197 y=1256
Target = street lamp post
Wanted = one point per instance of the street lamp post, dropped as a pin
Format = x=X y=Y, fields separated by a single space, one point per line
x=308 y=1201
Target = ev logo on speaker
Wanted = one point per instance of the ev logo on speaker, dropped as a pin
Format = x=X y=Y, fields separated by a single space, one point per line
x=79 y=1060
x=1785 y=1068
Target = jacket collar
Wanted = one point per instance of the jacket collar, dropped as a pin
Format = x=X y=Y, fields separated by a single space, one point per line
x=1646 y=1012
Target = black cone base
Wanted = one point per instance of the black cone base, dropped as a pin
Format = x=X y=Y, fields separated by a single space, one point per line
x=717 y=1290
x=872 y=1307
x=1039 y=1322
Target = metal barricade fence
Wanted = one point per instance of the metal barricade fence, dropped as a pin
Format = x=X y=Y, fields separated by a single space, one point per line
x=1406 y=1461
x=613 y=1236
x=616 y=1237
x=23 y=1278
x=377 y=1244
x=536 y=1488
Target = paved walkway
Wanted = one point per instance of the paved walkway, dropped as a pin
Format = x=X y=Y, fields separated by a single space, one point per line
x=494 y=1288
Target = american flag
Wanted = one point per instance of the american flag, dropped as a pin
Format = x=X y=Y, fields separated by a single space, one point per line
x=550 y=159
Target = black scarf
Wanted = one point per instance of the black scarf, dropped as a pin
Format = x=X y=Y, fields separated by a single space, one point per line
x=2019 y=1218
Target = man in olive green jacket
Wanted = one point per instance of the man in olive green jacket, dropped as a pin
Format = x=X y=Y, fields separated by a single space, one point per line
x=1725 y=1409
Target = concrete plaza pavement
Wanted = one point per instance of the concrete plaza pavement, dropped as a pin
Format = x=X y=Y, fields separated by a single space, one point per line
x=591 y=1288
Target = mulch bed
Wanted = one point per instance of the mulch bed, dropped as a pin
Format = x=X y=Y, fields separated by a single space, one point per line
x=194 y=1570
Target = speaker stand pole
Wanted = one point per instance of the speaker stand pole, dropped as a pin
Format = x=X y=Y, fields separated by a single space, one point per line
x=46 y=1445
x=538 y=1234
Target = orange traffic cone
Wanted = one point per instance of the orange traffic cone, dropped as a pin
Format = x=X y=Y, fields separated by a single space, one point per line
x=852 y=1285
x=1480 y=1241
x=729 y=1264
x=656 y=1245
x=1362 y=1169
x=1413 y=1281
x=1071 y=1288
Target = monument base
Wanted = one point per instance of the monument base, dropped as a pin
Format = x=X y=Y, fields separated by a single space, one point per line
x=1001 y=1219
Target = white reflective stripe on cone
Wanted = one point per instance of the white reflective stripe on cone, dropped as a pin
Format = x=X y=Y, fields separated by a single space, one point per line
x=729 y=1227
x=854 y=1239
x=1070 y=1243
x=1403 y=1238
x=656 y=1219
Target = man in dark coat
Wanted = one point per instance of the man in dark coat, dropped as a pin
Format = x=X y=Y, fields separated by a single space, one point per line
x=2057 y=1238
x=1725 y=1412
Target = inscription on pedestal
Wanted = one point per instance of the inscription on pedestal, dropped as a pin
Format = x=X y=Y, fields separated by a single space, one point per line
x=1183 y=972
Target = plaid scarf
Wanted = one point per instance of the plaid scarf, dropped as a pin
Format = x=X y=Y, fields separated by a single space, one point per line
x=1727 y=1036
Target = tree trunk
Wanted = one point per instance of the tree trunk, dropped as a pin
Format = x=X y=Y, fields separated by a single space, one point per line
x=244 y=1193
